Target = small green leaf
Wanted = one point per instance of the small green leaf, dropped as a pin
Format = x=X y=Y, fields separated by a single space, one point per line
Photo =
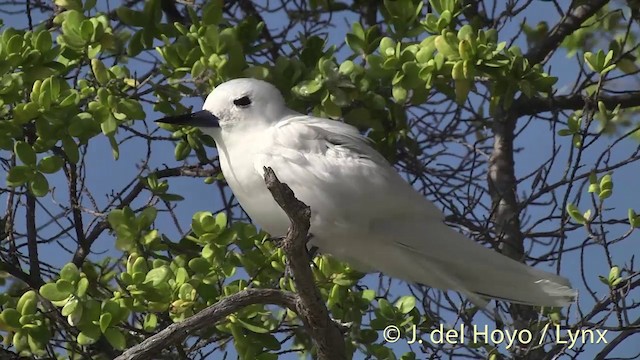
x=131 y=17
x=182 y=150
x=39 y=186
x=308 y=88
x=614 y=274
x=199 y=265
x=85 y=339
x=386 y=310
x=157 y=276
x=105 y=321
x=634 y=220
x=43 y=41
x=19 y=175
x=50 y=164
x=71 y=149
x=11 y=317
x=147 y=217
x=150 y=322
x=25 y=153
x=99 y=71
x=70 y=272
x=86 y=30
x=70 y=307
x=405 y=304
x=50 y=292
x=575 y=213
x=109 y=126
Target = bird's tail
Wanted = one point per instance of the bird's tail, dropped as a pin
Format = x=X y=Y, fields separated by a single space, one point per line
x=448 y=260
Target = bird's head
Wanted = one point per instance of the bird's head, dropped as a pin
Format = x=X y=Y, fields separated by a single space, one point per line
x=235 y=104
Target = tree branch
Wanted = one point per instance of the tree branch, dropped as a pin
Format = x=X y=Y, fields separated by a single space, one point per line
x=32 y=240
x=533 y=106
x=505 y=210
x=149 y=348
x=249 y=9
x=192 y=171
x=325 y=333
x=567 y=25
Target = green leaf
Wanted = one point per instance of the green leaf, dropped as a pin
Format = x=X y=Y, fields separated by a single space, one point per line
x=99 y=71
x=157 y=276
x=131 y=108
x=386 y=310
x=182 y=150
x=199 y=265
x=308 y=88
x=575 y=213
x=212 y=12
x=70 y=272
x=51 y=292
x=109 y=126
x=86 y=30
x=221 y=220
x=26 y=297
x=39 y=186
x=147 y=217
x=405 y=304
x=634 y=220
x=70 y=307
x=150 y=322
x=19 y=175
x=256 y=328
x=82 y=286
x=131 y=17
x=71 y=149
x=85 y=339
x=614 y=274
x=50 y=164
x=65 y=286
x=11 y=317
x=105 y=321
x=565 y=132
x=69 y=4
x=43 y=41
x=25 y=153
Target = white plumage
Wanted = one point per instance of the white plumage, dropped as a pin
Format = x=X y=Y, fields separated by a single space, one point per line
x=362 y=211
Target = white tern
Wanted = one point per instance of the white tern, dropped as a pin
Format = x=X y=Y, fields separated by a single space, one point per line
x=362 y=211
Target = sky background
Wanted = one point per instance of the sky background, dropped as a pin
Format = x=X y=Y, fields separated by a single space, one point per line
x=106 y=175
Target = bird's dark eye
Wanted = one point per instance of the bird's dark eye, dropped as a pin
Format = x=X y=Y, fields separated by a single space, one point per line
x=243 y=101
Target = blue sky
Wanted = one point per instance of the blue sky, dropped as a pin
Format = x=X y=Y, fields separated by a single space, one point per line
x=106 y=175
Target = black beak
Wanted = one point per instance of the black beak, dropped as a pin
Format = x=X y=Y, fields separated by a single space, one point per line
x=201 y=118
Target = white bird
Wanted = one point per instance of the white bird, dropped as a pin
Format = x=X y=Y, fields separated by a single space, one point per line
x=362 y=211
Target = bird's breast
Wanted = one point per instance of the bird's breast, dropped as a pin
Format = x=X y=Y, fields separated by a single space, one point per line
x=238 y=167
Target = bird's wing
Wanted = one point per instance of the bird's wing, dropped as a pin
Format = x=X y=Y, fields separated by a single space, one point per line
x=330 y=159
x=352 y=188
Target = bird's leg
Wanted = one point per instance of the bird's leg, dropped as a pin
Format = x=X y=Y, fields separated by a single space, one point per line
x=311 y=250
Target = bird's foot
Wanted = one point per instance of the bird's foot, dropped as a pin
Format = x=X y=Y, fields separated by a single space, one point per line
x=343 y=326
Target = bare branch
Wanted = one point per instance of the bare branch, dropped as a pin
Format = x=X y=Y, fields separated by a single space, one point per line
x=32 y=240
x=567 y=25
x=310 y=307
x=149 y=348
x=527 y=106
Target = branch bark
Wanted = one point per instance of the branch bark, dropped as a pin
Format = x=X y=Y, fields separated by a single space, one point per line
x=307 y=303
x=567 y=25
x=174 y=333
x=192 y=171
x=325 y=333
x=506 y=213
x=532 y=106
x=32 y=240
